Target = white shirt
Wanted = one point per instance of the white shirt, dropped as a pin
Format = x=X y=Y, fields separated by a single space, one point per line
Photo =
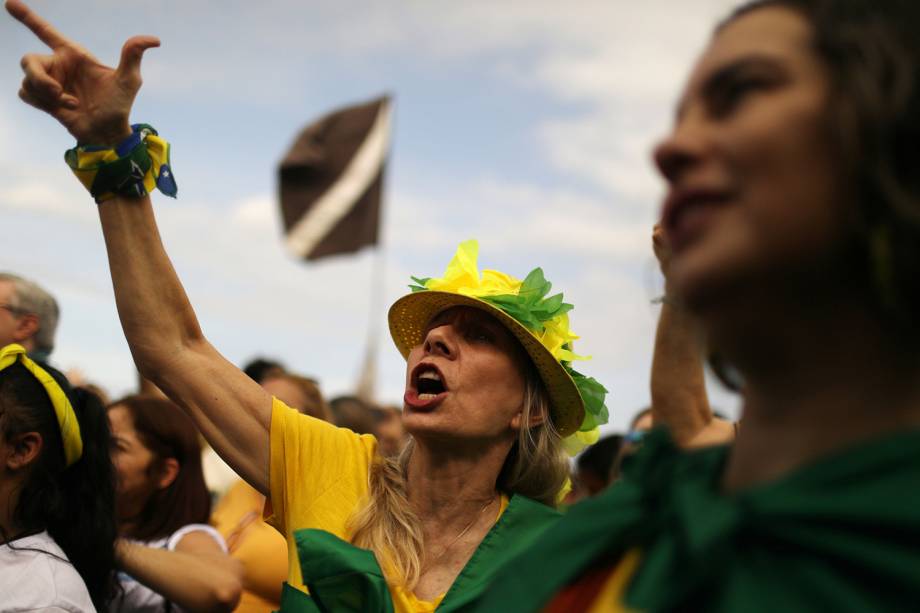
x=137 y=597
x=35 y=575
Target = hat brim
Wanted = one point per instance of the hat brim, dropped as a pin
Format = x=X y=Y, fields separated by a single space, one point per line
x=409 y=316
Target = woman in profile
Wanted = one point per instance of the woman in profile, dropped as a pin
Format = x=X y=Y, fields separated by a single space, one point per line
x=170 y=557
x=794 y=222
x=57 y=487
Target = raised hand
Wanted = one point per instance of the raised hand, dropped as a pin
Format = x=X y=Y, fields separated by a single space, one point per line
x=91 y=100
x=662 y=249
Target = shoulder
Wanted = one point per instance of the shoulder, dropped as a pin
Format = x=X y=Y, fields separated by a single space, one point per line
x=196 y=537
x=38 y=576
x=292 y=428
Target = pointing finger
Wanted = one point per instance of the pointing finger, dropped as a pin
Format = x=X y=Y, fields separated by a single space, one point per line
x=35 y=68
x=129 y=66
x=41 y=28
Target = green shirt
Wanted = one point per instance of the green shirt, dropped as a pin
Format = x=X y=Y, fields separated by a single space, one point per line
x=342 y=577
x=842 y=534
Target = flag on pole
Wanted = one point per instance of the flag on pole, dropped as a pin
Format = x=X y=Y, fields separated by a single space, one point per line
x=331 y=181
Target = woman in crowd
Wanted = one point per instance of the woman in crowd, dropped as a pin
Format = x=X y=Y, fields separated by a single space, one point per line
x=794 y=219
x=489 y=393
x=170 y=558
x=57 y=487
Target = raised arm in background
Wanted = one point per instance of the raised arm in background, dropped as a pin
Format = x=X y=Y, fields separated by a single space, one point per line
x=678 y=385
x=94 y=102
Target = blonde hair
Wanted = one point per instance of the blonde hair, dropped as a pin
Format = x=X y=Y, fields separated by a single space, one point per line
x=536 y=467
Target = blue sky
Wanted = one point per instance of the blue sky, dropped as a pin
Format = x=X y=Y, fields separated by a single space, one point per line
x=527 y=125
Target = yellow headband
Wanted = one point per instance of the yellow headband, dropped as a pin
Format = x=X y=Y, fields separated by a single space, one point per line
x=66 y=418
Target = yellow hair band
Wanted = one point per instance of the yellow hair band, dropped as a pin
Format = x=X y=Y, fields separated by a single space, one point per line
x=66 y=418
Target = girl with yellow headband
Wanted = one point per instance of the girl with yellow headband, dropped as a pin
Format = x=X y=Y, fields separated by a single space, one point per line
x=57 y=516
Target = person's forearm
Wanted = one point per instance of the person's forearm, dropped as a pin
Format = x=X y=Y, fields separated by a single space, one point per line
x=155 y=313
x=231 y=410
x=678 y=386
x=194 y=582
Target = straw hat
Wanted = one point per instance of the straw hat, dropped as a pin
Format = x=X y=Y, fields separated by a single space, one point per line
x=540 y=324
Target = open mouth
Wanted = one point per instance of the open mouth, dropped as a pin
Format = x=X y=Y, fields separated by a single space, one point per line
x=428 y=381
x=427 y=387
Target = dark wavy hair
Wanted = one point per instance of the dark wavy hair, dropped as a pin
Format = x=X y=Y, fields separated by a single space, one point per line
x=168 y=432
x=871 y=51
x=76 y=504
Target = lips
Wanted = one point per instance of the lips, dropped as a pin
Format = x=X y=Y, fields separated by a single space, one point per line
x=687 y=212
x=427 y=387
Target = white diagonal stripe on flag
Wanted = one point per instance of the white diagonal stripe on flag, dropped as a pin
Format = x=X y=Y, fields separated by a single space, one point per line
x=335 y=203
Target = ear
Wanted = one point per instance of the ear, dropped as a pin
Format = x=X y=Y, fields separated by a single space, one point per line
x=26 y=327
x=169 y=470
x=518 y=420
x=22 y=450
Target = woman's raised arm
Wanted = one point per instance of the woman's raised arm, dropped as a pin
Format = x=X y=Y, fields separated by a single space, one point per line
x=93 y=102
x=678 y=386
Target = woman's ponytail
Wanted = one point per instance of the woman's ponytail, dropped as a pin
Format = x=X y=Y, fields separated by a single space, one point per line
x=86 y=529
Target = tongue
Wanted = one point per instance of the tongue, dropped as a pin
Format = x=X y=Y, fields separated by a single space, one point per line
x=417 y=400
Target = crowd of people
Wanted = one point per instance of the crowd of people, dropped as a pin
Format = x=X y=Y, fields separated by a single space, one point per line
x=790 y=246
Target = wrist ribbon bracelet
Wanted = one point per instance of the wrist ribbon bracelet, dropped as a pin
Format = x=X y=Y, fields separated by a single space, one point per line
x=132 y=168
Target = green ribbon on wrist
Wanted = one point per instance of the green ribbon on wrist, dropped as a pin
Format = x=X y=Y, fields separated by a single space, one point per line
x=133 y=168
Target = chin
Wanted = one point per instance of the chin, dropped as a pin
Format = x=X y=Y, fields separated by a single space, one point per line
x=726 y=297
x=718 y=266
x=424 y=425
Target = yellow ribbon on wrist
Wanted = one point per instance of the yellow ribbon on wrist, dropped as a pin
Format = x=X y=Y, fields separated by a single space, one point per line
x=63 y=410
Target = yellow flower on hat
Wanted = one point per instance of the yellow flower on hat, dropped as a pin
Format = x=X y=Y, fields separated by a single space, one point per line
x=576 y=442
x=462 y=276
x=557 y=337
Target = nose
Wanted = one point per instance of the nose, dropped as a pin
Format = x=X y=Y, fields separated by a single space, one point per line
x=440 y=341
x=681 y=150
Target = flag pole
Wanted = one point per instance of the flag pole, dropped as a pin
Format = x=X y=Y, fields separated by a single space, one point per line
x=366 y=385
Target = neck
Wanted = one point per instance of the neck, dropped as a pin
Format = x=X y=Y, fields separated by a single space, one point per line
x=128 y=522
x=9 y=494
x=448 y=487
x=816 y=381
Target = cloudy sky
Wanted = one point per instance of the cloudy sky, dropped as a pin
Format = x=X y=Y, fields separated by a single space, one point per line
x=526 y=125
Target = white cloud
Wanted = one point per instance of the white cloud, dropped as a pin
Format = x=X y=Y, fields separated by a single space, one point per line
x=522 y=217
x=611 y=150
x=48 y=197
x=256 y=212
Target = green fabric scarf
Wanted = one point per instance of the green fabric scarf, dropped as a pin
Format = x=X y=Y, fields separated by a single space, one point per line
x=342 y=577
x=842 y=534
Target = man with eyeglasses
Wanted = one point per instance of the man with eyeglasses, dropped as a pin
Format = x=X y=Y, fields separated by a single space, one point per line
x=28 y=316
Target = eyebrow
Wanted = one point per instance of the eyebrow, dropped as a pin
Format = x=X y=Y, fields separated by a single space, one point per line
x=728 y=72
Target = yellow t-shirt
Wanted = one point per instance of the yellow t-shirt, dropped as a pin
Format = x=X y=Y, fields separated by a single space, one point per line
x=319 y=475
x=258 y=546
